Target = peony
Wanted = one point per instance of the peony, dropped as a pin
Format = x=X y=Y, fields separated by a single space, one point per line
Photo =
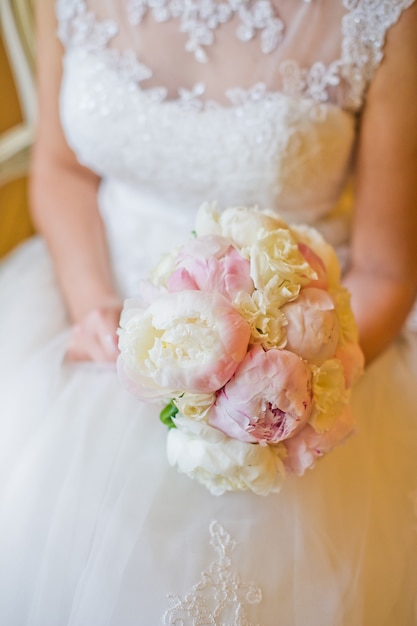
x=347 y=322
x=207 y=220
x=194 y=405
x=241 y=224
x=244 y=225
x=312 y=325
x=330 y=394
x=308 y=445
x=267 y=323
x=278 y=268
x=314 y=240
x=164 y=268
x=223 y=464
x=353 y=362
x=315 y=262
x=188 y=341
x=211 y=263
x=268 y=399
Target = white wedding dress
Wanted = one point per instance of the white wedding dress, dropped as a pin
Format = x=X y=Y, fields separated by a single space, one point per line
x=174 y=103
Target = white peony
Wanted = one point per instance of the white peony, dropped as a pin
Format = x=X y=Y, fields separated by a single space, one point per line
x=207 y=220
x=348 y=327
x=184 y=341
x=241 y=224
x=223 y=464
x=330 y=394
x=194 y=405
x=244 y=225
x=267 y=322
x=278 y=268
x=167 y=263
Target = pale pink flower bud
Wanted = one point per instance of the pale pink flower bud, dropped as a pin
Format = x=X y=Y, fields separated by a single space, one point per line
x=313 y=325
x=211 y=263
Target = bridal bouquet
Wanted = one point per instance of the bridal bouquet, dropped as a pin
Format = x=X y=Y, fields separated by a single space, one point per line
x=247 y=336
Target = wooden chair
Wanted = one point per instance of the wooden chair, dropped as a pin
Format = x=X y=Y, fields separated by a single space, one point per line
x=17 y=117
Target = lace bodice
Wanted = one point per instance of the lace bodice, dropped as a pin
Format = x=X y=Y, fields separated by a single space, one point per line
x=174 y=102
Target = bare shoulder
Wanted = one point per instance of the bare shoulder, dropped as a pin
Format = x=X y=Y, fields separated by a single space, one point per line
x=49 y=53
x=49 y=50
x=390 y=114
x=386 y=160
x=50 y=146
x=398 y=70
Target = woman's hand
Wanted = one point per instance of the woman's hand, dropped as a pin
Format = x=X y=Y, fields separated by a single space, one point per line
x=94 y=337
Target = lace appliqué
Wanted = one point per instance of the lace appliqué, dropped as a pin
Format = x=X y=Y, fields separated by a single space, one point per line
x=312 y=82
x=200 y=18
x=239 y=98
x=193 y=99
x=220 y=597
x=78 y=26
x=364 y=29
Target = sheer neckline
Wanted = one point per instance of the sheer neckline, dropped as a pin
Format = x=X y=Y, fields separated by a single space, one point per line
x=200 y=20
x=341 y=78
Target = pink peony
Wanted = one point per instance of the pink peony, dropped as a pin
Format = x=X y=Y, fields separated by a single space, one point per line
x=211 y=263
x=268 y=399
x=308 y=445
x=313 y=325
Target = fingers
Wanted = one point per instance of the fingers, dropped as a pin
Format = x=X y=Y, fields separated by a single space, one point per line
x=86 y=345
x=95 y=338
x=109 y=343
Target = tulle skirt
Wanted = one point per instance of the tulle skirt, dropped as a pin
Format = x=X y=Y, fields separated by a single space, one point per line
x=97 y=530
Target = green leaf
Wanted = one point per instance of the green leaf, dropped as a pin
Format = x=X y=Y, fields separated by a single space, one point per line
x=167 y=415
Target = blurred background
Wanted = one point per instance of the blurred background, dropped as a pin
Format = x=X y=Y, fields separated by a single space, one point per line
x=17 y=115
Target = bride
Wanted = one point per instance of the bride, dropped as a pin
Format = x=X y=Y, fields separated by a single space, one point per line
x=147 y=109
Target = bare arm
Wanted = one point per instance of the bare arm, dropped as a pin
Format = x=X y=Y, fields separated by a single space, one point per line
x=383 y=273
x=64 y=209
